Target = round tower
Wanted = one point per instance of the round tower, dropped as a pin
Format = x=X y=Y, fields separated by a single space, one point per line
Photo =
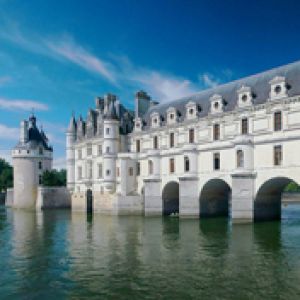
x=110 y=143
x=70 y=153
x=31 y=157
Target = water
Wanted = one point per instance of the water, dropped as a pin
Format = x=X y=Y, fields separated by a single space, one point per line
x=57 y=255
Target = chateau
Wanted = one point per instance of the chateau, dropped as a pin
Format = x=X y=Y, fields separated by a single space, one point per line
x=232 y=148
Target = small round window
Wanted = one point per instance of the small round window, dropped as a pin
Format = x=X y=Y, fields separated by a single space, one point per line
x=244 y=98
x=277 y=89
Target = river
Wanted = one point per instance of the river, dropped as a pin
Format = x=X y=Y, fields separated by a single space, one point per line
x=60 y=255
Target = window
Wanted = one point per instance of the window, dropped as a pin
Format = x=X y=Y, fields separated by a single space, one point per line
x=107 y=130
x=99 y=149
x=90 y=169
x=216 y=161
x=245 y=126
x=172 y=165
x=107 y=150
x=79 y=171
x=40 y=165
x=40 y=179
x=150 y=167
x=155 y=142
x=79 y=154
x=41 y=151
x=89 y=150
x=186 y=164
x=100 y=172
x=171 y=116
x=191 y=136
x=138 y=169
x=216 y=132
x=118 y=171
x=244 y=98
x=277 y=121
x=130 y=171
x=277 y=89
x=240 y=159
x=138 y=145
x=107 y=172
x=277 y=155
x=171 y=139
x=191 y=111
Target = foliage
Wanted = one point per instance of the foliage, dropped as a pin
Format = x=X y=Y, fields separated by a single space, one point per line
x=54 y=178
x=292 y=187
x=6 y=175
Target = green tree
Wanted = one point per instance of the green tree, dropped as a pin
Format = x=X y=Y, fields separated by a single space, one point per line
x=54 y=178
x=6 y=175
x=292 y=187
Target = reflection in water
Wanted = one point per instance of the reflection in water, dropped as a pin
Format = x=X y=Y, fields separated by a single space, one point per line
x=57 y=254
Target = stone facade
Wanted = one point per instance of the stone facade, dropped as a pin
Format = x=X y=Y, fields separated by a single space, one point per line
x=231 y=148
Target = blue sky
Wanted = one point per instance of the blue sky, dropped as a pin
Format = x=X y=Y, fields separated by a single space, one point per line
x=57 y=56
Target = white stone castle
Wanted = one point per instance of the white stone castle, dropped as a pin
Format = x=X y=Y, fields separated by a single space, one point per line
x=230 y=148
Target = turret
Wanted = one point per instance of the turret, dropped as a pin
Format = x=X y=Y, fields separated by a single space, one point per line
x=70 y=153
x=32 y=156
x=110 y=142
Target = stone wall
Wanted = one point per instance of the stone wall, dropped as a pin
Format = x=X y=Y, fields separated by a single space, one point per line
x=53 y=197
x=9 y=200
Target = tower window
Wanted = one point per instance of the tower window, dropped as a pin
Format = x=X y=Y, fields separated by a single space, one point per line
x=107 y=130
x=107 y=172
x=130 y=171
x=40 y=179
x=216 y=132
x=155 y=142
x=240 y=158
x=107 y=150
x=186 y=164
x=138 y=169
x=40 y=165
x=172 y=165
x=277 y=121
x=171 y=139
x=41 y=151
x=150 y=167
x=138 y=145
x=191 y=136
x=245 y=126
x=100 y=174
x=216 y=161
x=278 y=155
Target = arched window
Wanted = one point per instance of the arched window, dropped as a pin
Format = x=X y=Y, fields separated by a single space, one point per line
x=186 y=164
x=150 y=167
x=240 y=158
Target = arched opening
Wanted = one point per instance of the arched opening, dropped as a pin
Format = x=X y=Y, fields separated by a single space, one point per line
x=89 y=201
x=215 y=198
x=268 y=200
x=170 y=198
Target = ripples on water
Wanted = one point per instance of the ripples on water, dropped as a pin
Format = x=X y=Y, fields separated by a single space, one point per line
x=59 y=255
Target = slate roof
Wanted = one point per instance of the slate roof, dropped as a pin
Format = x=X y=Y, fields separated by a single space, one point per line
x=258 y=83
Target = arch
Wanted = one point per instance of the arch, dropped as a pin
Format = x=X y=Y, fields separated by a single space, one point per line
x=89 y=201
x=267 y=203
x=170 y=198
x=215 y=198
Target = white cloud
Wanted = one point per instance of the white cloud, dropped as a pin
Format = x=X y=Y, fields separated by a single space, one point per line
x=22 y=105
x=71 y=51
x=8 y=133
x=164 y=87
x=209 y=80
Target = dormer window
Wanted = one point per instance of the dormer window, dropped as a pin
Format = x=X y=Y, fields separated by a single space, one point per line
x=217 y=104
x=155 y=119
x=191 y=110
x=244 y=96
x=171 y=113
x=138 y=124
x=278 y=88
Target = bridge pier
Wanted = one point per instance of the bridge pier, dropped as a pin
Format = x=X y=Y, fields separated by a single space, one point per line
x=243 y=194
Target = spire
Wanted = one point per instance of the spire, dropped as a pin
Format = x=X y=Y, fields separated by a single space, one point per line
x=110 y=111
x=72 y=124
